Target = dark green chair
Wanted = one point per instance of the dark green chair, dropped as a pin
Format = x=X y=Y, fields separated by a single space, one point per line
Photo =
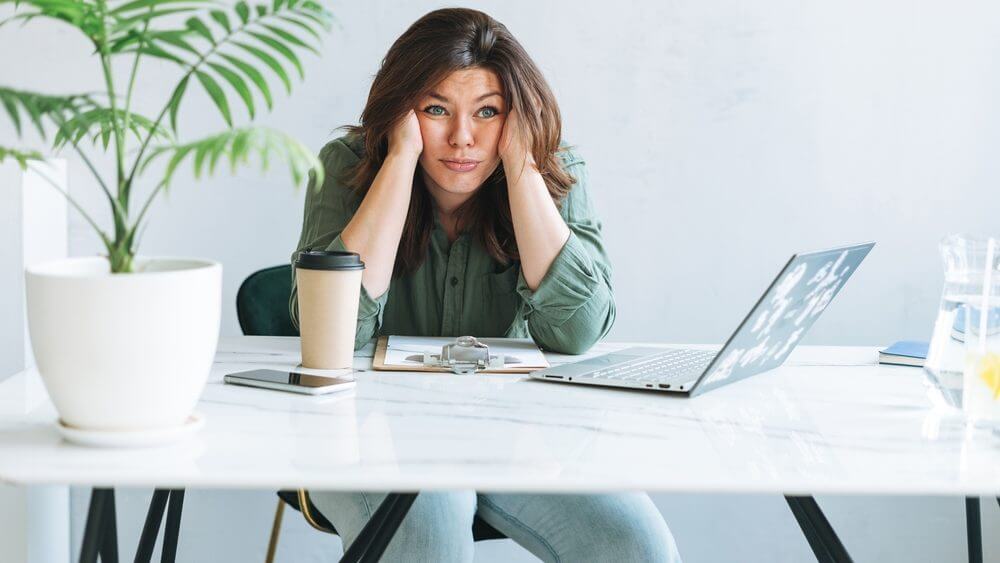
x=262 y=303
x=262 y=310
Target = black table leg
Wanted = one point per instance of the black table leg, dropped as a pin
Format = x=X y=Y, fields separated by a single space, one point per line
x=109 y=545
x=94 y=527
x=819 y=533
x=151 y=529
x=100 y=534
x=974 y=529
x=172 y=530
x=378 y=532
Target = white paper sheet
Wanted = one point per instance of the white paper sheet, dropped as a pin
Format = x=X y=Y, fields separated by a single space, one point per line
x=523 y=349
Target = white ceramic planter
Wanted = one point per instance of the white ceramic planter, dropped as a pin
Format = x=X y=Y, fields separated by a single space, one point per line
x=124 y=351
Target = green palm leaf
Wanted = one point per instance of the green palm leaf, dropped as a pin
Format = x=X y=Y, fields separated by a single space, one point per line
x=254 y=75
x=238 y=146
x=38 y=107
x=136 y=40
x=276 y=32
x=312 y=11
x=215 y=92
x=155 y=51
x=222 y=19
x=287 y=37
x=280 y=48
x=270 y=61
x=243 y=11
x=134 y=16
x=175 y=101
x=197 y=26
x=126 y=9
x=21 y=156
x=302 y=25
x=84 y=16
x=138 y=20
x=238 y=84
x=103 y=121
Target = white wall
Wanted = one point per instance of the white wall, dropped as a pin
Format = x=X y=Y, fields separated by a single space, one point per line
x=721 y=137
x=34 y=521
x=11 y=273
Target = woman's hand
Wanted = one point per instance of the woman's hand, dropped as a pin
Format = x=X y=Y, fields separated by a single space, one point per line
x=513 y=147
x=515 y=144
x=405 y=138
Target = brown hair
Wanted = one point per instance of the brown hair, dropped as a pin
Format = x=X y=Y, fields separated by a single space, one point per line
x=441 y=42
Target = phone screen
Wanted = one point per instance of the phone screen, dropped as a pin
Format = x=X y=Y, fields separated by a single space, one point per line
x=290 y=378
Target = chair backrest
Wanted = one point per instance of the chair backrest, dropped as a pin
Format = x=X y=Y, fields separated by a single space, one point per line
x=262 y=302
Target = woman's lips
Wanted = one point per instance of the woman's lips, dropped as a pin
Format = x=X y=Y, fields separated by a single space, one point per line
x=460 y=166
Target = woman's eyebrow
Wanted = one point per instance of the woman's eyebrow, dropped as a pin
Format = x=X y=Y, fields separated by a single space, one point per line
x=437 y=96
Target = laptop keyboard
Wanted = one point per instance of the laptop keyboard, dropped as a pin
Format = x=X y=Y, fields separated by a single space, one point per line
x=672 y=366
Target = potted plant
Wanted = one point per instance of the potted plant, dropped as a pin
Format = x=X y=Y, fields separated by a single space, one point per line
x=125 y=342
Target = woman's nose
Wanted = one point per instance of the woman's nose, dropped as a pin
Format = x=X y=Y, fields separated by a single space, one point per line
x=461 y=133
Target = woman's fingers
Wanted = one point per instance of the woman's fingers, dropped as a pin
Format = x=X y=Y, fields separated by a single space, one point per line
x=511 y=132
x=405 y=136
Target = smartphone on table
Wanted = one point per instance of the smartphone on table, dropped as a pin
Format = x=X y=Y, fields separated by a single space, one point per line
x=290 y=381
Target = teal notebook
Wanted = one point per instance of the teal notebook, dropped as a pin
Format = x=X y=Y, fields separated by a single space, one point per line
x=904 y=353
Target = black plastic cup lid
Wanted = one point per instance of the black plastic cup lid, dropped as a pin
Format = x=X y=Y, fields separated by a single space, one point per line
x=329 y=260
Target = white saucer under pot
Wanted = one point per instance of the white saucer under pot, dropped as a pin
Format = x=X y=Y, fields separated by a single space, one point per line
x=132 y=438
x=124 y=352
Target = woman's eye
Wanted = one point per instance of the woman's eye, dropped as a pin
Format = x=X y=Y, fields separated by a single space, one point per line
x=486 y=112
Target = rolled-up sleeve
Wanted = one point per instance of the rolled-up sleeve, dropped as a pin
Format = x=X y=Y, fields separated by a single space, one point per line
x=573 y=306
x=327 y=212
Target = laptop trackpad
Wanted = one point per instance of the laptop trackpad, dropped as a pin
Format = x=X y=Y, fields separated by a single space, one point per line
x=598 y=362
x=607 y=360
x=626 y=355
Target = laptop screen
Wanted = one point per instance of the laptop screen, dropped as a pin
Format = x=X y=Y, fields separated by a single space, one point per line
x=793 y=302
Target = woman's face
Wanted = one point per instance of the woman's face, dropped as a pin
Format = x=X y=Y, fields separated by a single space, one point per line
x=461 y=121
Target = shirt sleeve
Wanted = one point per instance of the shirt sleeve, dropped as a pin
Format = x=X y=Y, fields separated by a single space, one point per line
x=327 y=212
x=573 y=306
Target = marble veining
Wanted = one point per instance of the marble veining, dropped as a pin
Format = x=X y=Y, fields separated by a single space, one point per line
x=828 y=421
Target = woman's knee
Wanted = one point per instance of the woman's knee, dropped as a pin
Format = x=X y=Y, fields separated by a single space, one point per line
x=650 y=542
x=633 y=530
x=438 y=526
x=442 y=515
x=618 y=527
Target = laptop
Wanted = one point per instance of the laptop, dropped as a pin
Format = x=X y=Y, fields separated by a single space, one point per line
x=762 y=341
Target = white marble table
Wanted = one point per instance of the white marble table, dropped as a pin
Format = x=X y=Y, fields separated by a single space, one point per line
x=829 y=421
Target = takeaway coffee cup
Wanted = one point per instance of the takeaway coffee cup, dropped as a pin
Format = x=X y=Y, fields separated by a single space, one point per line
x=329 y=289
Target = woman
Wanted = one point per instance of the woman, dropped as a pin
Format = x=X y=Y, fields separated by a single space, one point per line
x=472 y=219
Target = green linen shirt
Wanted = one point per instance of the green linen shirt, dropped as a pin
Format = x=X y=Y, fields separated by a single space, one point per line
x=459 y=289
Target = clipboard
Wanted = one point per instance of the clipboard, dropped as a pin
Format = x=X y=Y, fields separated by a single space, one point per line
x=382 y=347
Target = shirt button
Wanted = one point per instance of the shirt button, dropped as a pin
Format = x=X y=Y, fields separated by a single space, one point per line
x=454 y=282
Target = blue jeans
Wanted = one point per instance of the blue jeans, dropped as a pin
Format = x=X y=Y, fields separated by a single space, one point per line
x=606 y=527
